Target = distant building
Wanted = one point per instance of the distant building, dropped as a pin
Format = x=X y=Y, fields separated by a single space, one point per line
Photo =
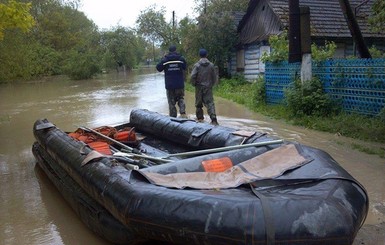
x=270 y=17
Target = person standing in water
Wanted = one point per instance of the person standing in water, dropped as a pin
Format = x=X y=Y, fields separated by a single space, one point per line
x=203 y=78
x=174 y=65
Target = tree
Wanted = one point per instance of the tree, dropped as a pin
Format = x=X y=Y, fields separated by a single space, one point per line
x=70 y=34
x=189 y=45
x=63 y=39
x=15 y=15
x=279 y=49
x=152 y=24
x=377 y=20
x=121 y=46
x=217 y=29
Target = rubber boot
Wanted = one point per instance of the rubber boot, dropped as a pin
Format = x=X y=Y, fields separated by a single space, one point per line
x=214 y=121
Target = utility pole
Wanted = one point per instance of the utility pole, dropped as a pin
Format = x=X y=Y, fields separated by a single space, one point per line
x=294 y=32
x=355 y=15
x=306 y=64
x=173 y=19
x=173 y=28
x=354 y=29
x=205 y=7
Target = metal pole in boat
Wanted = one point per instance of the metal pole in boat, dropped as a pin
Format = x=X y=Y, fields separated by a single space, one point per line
x=144 y=156
x=134 y=152
x=226 y=148
x=128 y=162
x=123 y=153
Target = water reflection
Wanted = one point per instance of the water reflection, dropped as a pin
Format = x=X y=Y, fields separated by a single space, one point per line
x=62 y=227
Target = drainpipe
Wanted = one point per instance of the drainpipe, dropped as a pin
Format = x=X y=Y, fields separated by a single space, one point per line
x=354 y=29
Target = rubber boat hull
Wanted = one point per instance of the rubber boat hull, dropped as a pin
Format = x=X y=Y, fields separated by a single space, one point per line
x=315 y=203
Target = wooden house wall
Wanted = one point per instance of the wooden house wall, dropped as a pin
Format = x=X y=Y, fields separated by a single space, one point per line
x=233 y=63
x=267 y=17
x=252 y=59
x=253 y=54
x=253 y=66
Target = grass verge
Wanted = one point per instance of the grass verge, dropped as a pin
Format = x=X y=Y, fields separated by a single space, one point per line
x=371 y=129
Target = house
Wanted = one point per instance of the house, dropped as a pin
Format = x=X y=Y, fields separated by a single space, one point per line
x=264 y=18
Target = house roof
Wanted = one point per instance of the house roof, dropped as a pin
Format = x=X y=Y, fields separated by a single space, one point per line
x=326 y=17
x=238 y=16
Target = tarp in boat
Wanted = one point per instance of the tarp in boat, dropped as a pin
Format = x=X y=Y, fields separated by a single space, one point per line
x=268 y=165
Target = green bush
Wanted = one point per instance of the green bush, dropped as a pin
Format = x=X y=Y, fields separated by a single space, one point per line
x=320 y=53
x=82 y=65
x=279 y=49
x=260 y=91
x=376 y=53
x=309 y=99
x=381 y=115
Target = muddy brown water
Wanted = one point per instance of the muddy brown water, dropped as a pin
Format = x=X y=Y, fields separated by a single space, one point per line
x=33 y=212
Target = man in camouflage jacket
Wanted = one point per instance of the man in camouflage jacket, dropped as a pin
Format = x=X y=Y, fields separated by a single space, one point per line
x=203 y=77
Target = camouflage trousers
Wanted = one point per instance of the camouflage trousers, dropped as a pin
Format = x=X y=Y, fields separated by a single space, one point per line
x=175 y=96
x=204 y=97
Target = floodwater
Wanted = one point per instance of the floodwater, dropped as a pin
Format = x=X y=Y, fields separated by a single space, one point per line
x=33 y=212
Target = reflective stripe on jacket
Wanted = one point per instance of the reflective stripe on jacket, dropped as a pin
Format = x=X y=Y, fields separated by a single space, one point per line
x=173 y=65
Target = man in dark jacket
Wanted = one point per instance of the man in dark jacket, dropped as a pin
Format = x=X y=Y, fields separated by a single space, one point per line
x=174 y=65
x=203 y=77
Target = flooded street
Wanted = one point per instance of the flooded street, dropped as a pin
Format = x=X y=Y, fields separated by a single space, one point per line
x=33 y=211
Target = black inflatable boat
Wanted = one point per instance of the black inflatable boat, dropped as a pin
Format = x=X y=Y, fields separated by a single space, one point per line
x=185 y=182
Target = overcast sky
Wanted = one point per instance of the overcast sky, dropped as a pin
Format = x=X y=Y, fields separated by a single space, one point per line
x=110 y=13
